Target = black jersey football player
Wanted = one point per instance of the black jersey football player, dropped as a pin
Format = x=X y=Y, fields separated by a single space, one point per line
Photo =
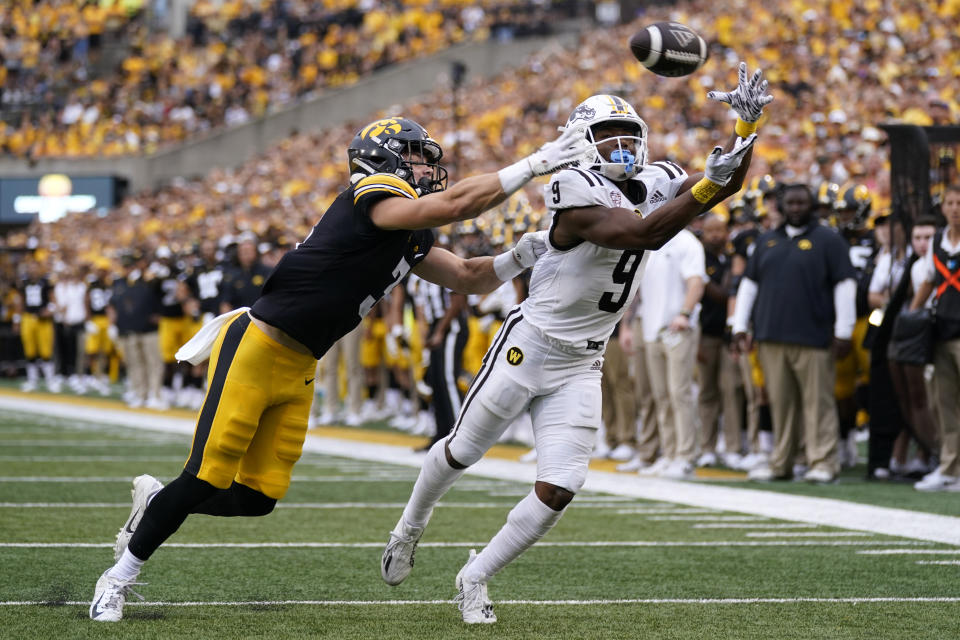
x=251 y=427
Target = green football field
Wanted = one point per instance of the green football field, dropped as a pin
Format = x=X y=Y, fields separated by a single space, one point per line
x=615 y=566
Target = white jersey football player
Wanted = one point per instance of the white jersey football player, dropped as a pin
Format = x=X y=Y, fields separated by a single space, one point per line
x=546 y=359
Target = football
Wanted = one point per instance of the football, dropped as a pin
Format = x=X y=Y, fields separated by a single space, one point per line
x=669 y=49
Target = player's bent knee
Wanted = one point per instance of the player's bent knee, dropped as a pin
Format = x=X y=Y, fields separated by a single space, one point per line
x=557 y=498
x=254 y=502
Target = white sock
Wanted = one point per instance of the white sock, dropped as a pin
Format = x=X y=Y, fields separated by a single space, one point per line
x=526 y=523
x=127 y=567
x=33 y=372
x=47 y=367
x=435 y=479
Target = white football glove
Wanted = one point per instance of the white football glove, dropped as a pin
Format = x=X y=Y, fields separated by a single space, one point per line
x=721 y=166
x=509 y=264
x=90 y=327
x=569 y=147
x=748 y=99
x=529 y=248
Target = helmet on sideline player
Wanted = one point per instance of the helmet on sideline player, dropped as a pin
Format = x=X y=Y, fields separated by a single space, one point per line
x=394 y=145
x=631 y=153
x=852 y=205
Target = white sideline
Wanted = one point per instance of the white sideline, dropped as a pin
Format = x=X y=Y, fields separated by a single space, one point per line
x=457 y=545
x=823 y=511
x=362 y=603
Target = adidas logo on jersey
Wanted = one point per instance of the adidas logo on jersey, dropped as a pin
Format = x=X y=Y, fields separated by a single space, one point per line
x=597 y=365
x=657 y=197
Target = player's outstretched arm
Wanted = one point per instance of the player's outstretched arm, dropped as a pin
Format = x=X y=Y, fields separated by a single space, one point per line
x=484 y=274
x=747 y=101
x=619 y=228
x=474 y=195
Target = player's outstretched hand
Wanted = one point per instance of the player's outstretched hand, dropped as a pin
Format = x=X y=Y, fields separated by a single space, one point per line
x=750 y=96
x=569 y=147
x=721 y=166
x=529 y=248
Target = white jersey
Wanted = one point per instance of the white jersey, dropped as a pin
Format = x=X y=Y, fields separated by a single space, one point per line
x=578 y=294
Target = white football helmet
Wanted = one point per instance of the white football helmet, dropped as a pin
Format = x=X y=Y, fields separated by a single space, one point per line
x=631 y=153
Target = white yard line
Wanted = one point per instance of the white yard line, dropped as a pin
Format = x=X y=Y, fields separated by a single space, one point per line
x=379 y=545
x=952 y=563
x=707 y=518
x=752 y=525
x=824 y=511
x=807 y=534
x=575 y=603
x=896 y=552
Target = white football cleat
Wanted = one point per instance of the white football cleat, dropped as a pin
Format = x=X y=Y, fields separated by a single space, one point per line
x=397 y=560
x=143 y=488
x=472 y=600
x=109 y=597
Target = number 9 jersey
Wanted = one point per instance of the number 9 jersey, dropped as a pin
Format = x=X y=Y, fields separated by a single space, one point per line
x=578 y=293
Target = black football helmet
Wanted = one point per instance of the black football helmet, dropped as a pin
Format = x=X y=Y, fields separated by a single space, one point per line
x=394 y=145
x=852 y=205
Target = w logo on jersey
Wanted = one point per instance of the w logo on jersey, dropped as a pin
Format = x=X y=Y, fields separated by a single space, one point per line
x=514 y=356
x=378 y=128
x=684 y=37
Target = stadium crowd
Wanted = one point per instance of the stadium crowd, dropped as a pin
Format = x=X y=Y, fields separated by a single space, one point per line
x=238 y=61
x=837 y=69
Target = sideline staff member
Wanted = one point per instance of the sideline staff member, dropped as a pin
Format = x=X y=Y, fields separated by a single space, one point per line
x=800 y=289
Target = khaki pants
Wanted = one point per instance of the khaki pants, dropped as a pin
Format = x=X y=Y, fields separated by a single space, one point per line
x=799 y=382
x=946 y=363
x=752 y=397
x=141 y=351
x=648 y=440
x=347 y=347
x=720 y=388
x=619 y=403
x=670 y=363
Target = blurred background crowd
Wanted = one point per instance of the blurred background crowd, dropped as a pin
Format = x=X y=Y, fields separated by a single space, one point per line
x=838 y=70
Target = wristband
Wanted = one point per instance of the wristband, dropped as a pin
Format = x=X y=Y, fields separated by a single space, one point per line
x=704 y=190
x=16 y=318
x=685 y=314
x=506 y=267
x=515 y=176
x=744 y=128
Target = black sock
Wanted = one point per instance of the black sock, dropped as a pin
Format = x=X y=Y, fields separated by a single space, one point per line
x=765 y=420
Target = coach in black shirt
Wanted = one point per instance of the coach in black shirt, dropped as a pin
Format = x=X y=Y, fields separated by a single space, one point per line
x=799 y=290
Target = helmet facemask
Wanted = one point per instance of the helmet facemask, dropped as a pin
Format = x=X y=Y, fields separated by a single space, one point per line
x=419 y=153
x=626 y=157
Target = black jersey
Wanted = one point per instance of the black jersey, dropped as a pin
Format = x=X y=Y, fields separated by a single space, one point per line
x=743 y=242
x=241 y=287
x=36 y=295
x=205 y=283
x=321 y=290
x=863 y=257
x=98 y=297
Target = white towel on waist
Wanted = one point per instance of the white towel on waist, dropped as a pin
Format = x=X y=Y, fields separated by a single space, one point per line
x=198 y=348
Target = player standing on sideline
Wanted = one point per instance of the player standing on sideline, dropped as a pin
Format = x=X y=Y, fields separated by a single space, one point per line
x=548 y=355
x=253 y=422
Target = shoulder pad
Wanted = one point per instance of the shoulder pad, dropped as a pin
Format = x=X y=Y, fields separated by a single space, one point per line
x=383 y=182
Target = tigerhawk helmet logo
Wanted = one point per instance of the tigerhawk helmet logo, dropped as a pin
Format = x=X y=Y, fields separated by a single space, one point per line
x=378 y=128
